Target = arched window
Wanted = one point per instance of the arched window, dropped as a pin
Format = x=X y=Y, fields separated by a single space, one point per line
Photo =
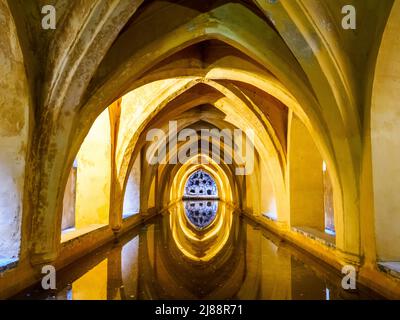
x=132 y=192
x=200 y=185
x=86 y=200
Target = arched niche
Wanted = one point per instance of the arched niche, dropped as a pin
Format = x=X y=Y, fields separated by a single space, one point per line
x=87 y=194
x=132 y=191
x=310 y=188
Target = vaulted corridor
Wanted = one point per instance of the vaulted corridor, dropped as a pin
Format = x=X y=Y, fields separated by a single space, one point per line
x=200 y=149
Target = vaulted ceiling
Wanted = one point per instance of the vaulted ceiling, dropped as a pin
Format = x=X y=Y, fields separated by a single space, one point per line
x=257 y=62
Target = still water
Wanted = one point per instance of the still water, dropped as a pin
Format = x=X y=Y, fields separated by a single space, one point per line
x=198 y=250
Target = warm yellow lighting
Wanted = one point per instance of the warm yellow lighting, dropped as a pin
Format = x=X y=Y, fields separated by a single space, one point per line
x=211 y=241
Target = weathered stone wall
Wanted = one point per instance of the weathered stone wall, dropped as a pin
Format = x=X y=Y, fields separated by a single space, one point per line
x=14 y=140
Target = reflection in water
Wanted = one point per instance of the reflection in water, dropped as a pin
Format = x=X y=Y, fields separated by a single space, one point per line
x=201 y=213
x=170 y=259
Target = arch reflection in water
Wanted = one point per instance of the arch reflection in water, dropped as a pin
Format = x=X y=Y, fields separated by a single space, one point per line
x=201 y=213
x=200 y=244
x=149 y=263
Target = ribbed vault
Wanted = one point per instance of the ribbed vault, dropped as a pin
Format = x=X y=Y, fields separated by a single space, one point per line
x=283 y=69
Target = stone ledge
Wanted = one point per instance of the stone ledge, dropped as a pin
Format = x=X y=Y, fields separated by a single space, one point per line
x=75 y=233
x=392 y=268
x=314 y=234
x=266 y=216
x=128 y=215
x=7 y=264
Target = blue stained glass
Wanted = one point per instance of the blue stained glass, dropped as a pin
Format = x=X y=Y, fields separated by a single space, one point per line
x=201 y=185
x=201 y=213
